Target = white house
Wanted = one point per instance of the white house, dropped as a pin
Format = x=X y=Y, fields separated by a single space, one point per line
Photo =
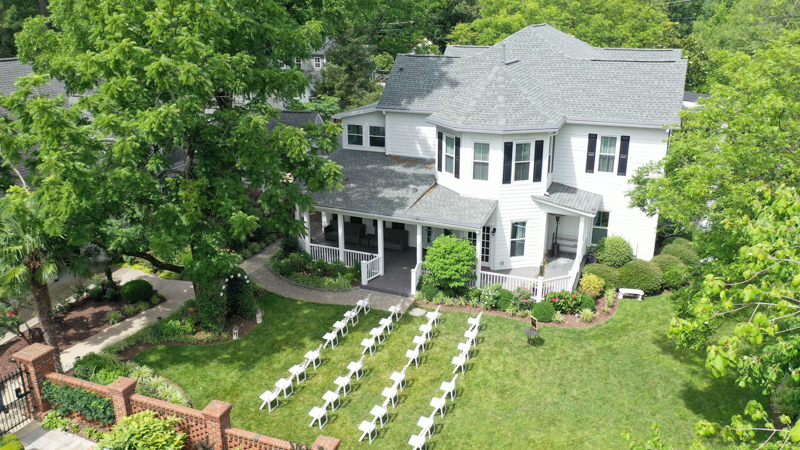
x=504 y=145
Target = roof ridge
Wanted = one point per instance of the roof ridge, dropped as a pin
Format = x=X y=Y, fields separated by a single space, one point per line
x=12 y=58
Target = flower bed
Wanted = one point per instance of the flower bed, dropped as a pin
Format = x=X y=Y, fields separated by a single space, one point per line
x=320 y=274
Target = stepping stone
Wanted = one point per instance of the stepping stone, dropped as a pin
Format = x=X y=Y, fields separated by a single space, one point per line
x=416 y=312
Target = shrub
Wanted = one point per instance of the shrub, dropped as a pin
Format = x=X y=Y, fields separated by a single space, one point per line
x=155 y=299
x=786 y=398
x=490 y=295
x=130 y=310
x=91 y=433
x=451 y=263
x=644 y=275
x=111 y=293
x=142 y=306
x=246 y=253
x=592 y=284
x=606 y=273
x=255 y=247
x=664 y=262
x=144 y=430
x=10 y=442
x=66 y=400
x=429 y=291
x=682 y=252
x=587 y=302
x=504 y=299
x=240 y=296
x=677 y=240
x=523 y=298
x=136 y=291
x=544 y=311
x=558 y=317
x=107 y=375
x=676 y=277
x=587 y=315
x=92 y=363
x=95 y=292
x=290 y=244
x=212 y=307
x=55 y=420
x=614 y=251
x=137 y=371
x=610 y=295
x=565 y=301
x=114 y=317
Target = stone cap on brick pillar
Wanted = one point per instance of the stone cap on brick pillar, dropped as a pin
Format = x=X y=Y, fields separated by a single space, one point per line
x=218 y=410
x=36 y=355
x=326 y=443
x=123 y=386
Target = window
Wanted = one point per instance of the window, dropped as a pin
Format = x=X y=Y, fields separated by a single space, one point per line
x=317 y=62
x=355 y=135
x=298 y=62
x=428 y=234
x=355 y=220
x=398 y=226
x=486 y=231
x=377 y=136
x=608 y=149
x=450 y=154
x=472 y=237
x=480 y=163
x=522 y=162
x=551 y=154
x=600 y=229
x=518 y=238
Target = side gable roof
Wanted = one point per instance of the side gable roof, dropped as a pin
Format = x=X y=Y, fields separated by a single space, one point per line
x=11 y=69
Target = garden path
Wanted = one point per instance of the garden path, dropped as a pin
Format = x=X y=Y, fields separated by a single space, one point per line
x=34 y=437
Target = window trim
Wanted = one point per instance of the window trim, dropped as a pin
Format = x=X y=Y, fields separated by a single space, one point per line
x=486 y=162
x=598 y=153
x=370 y=127
x=445 y=155
x=361 y=134
x=317 y=62
x=551 y=153
x=597 y=227
x=514 y=162
x=511 y=238
x=298 y=62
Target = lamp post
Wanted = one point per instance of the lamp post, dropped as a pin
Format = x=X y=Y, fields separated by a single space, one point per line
x=258 y=316
x=236 y=332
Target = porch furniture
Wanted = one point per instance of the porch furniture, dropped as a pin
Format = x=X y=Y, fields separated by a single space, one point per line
x=331 y=398
x=352 y=316
x=343 y=383
x=421 y=342
x=417 y=442
x=284 y=384
x=386 y=324
x=379 y=412
x=460 y=362
x=465 y=347
x=313 y=356
x=427 y=425
x=299 y=369
x=353 y=232
x=369 y=430
x=413 y=355
x=357 y=368
x=566 y=242
x=395 y=239
x=434 y=315
x=399 y=379
x=269 y=397
x=533 y=331
x=341 y=326
x=637 y=292
x=317 y=414
x=363 y=305
x=391 y=394
x=439 y=404
x=368 y=344
x=449 y=387
x=369 y=238
x=330 y=338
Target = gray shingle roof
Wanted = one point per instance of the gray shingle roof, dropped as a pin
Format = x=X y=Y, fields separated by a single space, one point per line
x=296 y=119
x=547 y=76
x=11 y=69
x=464 y=51
x=378 y=184
x=570 y=197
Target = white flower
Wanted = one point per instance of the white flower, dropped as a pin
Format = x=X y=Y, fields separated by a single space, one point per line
x=221 y=294
x=248 y=281
x=238 y=274
x=224 y=286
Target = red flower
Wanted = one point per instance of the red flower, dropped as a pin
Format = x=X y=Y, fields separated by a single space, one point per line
x=329 y=272
x=11 y=313
x=574 y=297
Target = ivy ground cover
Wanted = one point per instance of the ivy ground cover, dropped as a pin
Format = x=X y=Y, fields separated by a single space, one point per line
x=578 y=389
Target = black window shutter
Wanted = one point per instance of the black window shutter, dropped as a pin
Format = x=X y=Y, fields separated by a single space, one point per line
x=538 y=153
x=439 y=159
x=508 y=153
x=623 y=155
x=457 y=171
x=590 y=153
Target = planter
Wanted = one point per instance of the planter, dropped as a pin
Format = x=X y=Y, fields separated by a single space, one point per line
x=591 y=258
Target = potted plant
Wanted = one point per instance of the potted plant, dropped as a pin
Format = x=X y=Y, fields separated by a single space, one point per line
x=591 y=254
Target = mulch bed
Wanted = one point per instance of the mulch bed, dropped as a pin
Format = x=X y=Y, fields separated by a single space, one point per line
x=84 y=319
x=570 y=321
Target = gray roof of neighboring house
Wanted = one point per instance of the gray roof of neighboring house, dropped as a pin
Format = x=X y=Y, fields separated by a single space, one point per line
x=296 y=119
x=693 y=97
x=546 y=77
x=11 y=69
x=570 y=197
x=464 y=51
x=378 y=184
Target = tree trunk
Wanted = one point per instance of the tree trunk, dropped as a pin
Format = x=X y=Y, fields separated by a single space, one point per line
x=41 y=298
x=43 y=10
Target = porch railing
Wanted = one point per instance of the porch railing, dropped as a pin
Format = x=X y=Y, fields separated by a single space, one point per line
x=416 y=272
x=370 y=269
x=331 y=254
x=509 y=282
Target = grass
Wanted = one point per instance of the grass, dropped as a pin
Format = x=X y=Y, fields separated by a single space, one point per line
x=578 y=389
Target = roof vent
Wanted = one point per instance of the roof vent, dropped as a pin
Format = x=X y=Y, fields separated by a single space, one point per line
x=411 y=189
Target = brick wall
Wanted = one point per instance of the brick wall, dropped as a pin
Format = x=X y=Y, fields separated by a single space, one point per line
x=212 y=425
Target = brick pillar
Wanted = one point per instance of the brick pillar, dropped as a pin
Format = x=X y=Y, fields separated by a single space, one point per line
x=217 y=416
x=326 y=443
x=39 y=360
x=121 y=390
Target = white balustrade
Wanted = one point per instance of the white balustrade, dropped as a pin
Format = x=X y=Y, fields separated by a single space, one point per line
x=331 y=254
x=370 y=269
x=416 y=272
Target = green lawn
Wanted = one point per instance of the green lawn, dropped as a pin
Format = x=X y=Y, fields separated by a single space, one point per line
x=578 y=389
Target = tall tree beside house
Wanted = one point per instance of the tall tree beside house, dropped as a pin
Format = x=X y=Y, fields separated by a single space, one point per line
x=348 y=72
x=745 y=25
x=177 y=96
x=12 y=14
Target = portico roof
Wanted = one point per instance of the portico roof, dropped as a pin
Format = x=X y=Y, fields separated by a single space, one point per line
x=570 y=199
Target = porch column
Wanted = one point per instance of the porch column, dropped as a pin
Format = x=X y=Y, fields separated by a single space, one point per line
x=380 y=243
x=298 y=216
x=340 y=229
x=419 y=244
x=581 y=239
x=325 y=219
x=544 y=238
x=307 y=237
x=478 y=238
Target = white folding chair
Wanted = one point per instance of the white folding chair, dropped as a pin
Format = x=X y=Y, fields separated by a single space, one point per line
x=460 y=361
x=439 y=404
x=427 y=424
x=352 y=316
x=465 y=347
x=317 y=414
x=299 y=369
x=330 y=338
x=379 y=412
x=377 y=334
x=413 y=355
x=386 y=324
x=331 y=398
x=472 y=337
x=269 y=397
x=368 y=344
x=314 y=356
x=341 y=326
x=417 y=442
x=399 y=379
x=357 y=367
x=284 y=384
x=396 y=310
x=343 y=383
x=475 y=322
x=421 y=342
x=434 y=315
x=391 y=394
x=426 y=329
x=363 y=305
x=449 y=387
x=369 y=430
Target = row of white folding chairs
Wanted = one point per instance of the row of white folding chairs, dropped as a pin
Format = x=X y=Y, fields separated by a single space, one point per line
x=285 y=384
x=340 y=326
x=332 y=398
x=385 y=327
x=465 y=348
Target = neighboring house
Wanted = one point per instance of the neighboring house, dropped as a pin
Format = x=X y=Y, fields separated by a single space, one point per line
x=312 y=67
x=506 y=144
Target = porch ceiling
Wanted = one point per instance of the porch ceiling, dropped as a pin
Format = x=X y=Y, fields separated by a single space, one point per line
x=571 y=199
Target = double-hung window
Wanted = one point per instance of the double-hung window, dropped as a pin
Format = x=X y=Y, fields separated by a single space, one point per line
x=522 y=162
x=480 y=162
x=317 y=62
x=518 y=239
x=600 y=228
x=608 y=151
x=450 y=154
x=377 y=136
x=355 y=135
x=298 y=62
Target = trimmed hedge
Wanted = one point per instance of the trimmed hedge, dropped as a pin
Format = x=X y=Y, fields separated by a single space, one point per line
x=587 y=302
x=614 y=251
x=607 y=273
x=66 y=400
x=676 y=277
x=677 y=240
x=682 y=252
x=640 y=274
x=504 y=299
x=665 y=262
x=136 y=291
x=11 y=442
x=544 y=311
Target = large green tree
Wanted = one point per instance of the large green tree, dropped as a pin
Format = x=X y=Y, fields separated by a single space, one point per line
x=12 y=14
x=176 y=110
x=745 y=25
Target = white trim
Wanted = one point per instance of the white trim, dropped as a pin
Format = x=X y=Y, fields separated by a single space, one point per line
x=524 y=240
x=445 y=155
x=621 y=123
x=369 y=137
x=356 y=112
x=347 y=134
x=599 y=227
x=410 y=221
x=514 y=161
x=598 y=153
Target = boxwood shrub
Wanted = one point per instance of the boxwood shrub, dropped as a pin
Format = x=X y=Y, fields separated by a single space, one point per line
x=614 y=251
x=677 y=240
x=676 y=277
x=504 y=299
x=665 y=262
x=544 y=311
x=640 y=274
x=136 y=291
x=607 y=273
x=587 y=302
x=682 y=252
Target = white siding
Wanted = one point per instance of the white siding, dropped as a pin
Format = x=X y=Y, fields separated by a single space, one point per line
x=365 y=120
x=570 y=168
x=408 y=134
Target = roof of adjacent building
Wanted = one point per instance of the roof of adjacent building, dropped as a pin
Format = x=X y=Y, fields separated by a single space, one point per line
x=401 y=188
x=564 y=196
x=536 y=79
x=296 y=119
x=11 y=69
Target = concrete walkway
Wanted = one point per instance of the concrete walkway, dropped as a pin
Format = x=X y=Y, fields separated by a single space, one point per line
x=34 y=437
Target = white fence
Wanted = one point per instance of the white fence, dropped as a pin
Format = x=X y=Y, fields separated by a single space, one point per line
x=370 y=269
x=509 y=282
x=416 y=272
x=331 y=254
